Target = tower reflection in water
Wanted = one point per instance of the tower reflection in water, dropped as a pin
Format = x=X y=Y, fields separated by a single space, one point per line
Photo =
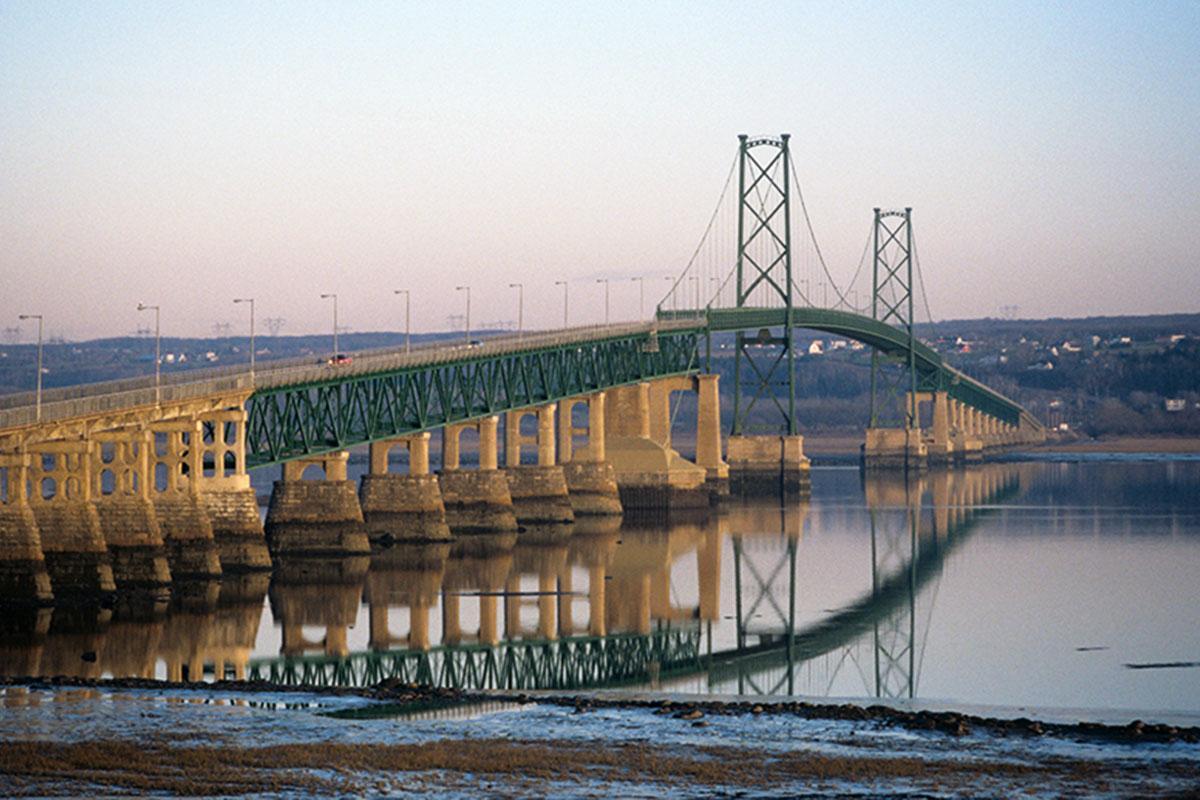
x=736 y=600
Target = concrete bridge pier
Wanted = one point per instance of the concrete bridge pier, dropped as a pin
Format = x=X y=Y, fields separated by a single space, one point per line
x=187 y=533
x=968 y=447
x=76 y=555
x=939 y=445
x=539 y=493
x=895 y=448
x=708 y=426
x=316 y=517
x=761 y=464
x=122 y=482
x=23 y=574
x=649 y=473
x=591 y=480
x=477 y=501
x=226 y=495
x=403 y=508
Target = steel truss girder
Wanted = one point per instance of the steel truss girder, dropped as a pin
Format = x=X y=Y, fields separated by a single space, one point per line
x=525 y=664
x=295 y=421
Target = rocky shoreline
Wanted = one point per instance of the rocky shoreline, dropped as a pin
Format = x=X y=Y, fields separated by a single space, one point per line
x=401 y=694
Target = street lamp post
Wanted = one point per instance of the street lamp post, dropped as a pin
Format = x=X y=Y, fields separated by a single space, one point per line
x=157 y=352
x=520 y=287
x=467 y=289
x=333 y=296
x=38 y=317
x=671 y=293
x=695 y=279
x=605 y=282
x=407 y=319
x=250 y=300
x=564 y=285
x=641 y=282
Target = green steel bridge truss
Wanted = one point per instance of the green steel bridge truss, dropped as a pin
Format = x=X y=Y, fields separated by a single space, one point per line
x=932 y=371
x=574 y=662
x=292 y=421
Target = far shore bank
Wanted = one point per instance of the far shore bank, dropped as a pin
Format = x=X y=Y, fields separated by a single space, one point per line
x=846 y=445
x=1125 y=444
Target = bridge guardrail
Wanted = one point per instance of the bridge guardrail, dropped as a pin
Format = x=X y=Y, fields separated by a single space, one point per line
x=97 y=398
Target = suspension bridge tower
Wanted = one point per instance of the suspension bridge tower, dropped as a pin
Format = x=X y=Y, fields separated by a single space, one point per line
x=764 y=439
x=894 y=431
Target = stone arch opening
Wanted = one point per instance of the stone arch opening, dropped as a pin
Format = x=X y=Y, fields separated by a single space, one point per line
x=313 y=472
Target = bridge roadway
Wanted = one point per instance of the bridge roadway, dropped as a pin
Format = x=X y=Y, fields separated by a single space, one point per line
x=301 y=407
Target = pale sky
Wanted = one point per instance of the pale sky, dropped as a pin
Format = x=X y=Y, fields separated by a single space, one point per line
x=186 y=155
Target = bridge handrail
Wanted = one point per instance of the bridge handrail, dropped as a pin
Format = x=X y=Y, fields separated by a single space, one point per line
x=92 y=398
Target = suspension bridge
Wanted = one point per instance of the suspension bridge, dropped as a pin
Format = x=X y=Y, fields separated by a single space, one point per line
x=129 y=483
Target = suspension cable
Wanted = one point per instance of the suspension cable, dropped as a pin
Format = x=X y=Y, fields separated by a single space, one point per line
x=707 y=230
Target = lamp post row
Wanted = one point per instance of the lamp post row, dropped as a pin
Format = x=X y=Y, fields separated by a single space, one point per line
x=520 y=287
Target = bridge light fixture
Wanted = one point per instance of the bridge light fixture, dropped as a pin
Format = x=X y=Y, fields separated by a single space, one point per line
x=336 y=351
x=249 y=300
x=605 y=282
x=520 y=287
x=641 y=282
x=564 y=285
x=407 y=319
x=38 y=317
x=157 y=352
x=466 y=289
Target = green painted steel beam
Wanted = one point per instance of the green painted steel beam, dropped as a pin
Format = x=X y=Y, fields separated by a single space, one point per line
x=287 y=422
x=573 y=662
x=933 y=373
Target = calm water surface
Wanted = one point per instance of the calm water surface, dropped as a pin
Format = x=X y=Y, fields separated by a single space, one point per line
x=1025 y=583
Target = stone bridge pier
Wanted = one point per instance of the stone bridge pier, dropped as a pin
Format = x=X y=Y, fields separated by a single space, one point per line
x=318 y=517
x=539 y=492
x=23 y=574
x=122 y=480
x=403 y=508
x=591 y=481
x=476 y=501
x=649 y=473
x=176 y=466
x=77 y=557
x=225 y=493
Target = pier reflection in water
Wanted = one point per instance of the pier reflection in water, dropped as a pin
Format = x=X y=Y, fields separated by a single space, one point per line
x=834 y=597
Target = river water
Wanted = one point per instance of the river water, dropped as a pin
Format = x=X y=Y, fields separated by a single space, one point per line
x=1035 y=584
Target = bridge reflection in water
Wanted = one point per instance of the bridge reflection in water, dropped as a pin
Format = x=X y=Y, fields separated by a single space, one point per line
x=721 y=603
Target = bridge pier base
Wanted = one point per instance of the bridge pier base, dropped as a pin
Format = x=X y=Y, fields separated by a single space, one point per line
x=76 y=556
x=940 y=445
x=403 y=508
x=539 y=493
x=186 y=530
x=476 y=501
x=23 y=575
x=894 y=448
x=316 y=517
x=591 y=481
x=225 y=494
x=768 y=465
x=649 y=473
x=122 y=479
